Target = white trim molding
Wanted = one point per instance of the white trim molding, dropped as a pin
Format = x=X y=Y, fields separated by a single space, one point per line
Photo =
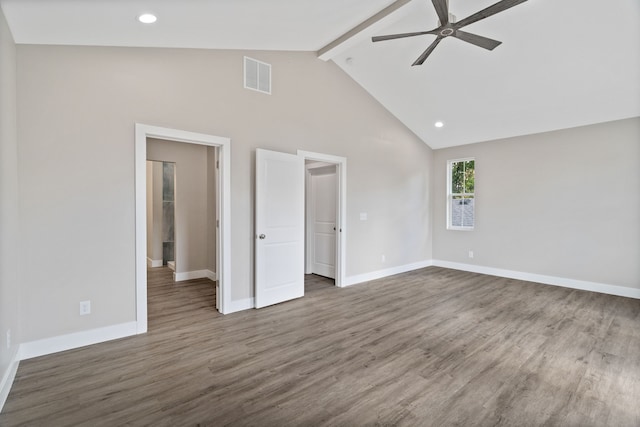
x=8 y=377
x=602 y=288
x=142 y=132
x=197 y=274
x=59 y=343
x=379 y=274
x=241 y=305
x=341 y=217
x=464 y=195
x=153 y=263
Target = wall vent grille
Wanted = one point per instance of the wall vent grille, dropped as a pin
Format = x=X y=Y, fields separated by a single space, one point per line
x=257 y=75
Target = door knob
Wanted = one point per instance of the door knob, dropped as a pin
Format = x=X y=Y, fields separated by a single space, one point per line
x=262 y=237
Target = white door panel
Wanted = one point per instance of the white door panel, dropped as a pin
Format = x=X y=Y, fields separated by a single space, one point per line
x=279 y=227
x=325 y=253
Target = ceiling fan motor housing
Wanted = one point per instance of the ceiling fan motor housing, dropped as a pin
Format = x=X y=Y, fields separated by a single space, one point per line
x=446 y=32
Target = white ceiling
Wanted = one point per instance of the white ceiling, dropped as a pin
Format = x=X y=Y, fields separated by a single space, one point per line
x=210 y=24
x=563 y=63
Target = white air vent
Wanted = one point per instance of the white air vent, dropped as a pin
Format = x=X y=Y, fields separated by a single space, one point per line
x=257 y=75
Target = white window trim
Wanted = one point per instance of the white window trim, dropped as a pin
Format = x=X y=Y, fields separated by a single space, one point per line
x=449 y=196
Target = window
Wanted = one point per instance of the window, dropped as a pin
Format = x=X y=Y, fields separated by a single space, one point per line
x=460 y=194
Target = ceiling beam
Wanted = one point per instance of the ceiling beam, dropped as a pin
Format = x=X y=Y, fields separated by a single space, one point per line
x=342 y=42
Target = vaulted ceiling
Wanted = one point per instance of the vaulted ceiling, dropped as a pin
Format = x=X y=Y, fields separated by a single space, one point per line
x=562 y=63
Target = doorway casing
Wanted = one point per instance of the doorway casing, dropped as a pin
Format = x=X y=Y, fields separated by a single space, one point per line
x=223 y=207
x=341 y=223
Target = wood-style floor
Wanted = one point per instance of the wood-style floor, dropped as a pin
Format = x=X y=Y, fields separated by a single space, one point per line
x=433 y=347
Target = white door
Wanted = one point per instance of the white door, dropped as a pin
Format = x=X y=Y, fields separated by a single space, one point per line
x=323 y=211
x=279 y=227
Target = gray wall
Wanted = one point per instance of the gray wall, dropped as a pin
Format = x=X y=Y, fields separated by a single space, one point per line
x=562 y=204
x=79 y=104
x=9 y=223
x=191 y=200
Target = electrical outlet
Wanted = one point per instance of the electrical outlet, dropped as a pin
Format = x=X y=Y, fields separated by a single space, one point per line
x=470 y=254
x=85 y=307
x=384 y=258
x=9 y=338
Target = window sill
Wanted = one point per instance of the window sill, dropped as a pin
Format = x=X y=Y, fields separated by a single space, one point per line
x=460 y=228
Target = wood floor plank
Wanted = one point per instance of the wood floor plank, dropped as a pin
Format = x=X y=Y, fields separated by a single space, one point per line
x=428 y=347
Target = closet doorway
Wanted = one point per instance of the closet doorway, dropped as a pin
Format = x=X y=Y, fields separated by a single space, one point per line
x=325 y=215
x=321 y=218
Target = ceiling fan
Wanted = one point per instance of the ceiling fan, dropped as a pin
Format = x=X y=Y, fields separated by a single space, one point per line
x=452 y=29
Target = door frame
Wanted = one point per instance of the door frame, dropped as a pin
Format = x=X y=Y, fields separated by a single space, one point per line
x=341 y=208
x=310 y=198
x=223 y=207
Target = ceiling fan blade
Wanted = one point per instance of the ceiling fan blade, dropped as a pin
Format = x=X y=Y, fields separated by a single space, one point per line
x=427 y=52
x=477 y=40
x=442 y=9
x=489 y=11
x=398 y=36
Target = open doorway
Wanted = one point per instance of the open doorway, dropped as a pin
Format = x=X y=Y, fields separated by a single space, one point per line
x=181 y=228
x=188 y=215
x=320 y=221
x=280 y=224
x=220 y=220
x=325 y=213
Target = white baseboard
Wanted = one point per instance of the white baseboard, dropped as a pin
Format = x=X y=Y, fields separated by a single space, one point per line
x=249 y=303
x=171 y=265
x=51 y=345
x=197 y=274
x=8 y=376
x=602 y=288
x=379 y=274
x=540 y=278
x=152 y=263
x=239 y=305
x=212 y=275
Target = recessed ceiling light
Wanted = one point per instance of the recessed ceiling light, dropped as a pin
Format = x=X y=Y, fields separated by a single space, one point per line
x=147 y=18
x=438 y=124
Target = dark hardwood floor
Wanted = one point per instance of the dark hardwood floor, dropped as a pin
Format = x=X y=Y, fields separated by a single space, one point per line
x=433 y=347
x=314 y=283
